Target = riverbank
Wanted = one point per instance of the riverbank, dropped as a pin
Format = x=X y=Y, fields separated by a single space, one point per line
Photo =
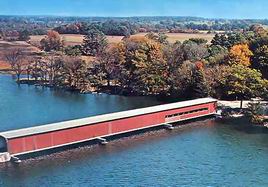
x=236 y=103
x=255 y=111
x=93 y=89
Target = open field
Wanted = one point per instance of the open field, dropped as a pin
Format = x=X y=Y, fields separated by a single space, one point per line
x=173 y=37
x=73 y=39
x=27 y=49
x=5 y=46
x=76 y=39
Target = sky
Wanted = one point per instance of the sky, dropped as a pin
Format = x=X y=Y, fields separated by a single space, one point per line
x=232 y=9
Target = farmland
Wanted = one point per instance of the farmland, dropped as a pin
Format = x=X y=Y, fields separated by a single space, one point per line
x=77 y=39
x=173 y=37
x=72 y=39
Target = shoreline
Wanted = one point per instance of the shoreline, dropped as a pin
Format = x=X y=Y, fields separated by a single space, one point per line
x=113 y=90
x=236 y=103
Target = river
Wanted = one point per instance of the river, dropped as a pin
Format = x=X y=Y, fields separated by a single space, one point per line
x=205 y=153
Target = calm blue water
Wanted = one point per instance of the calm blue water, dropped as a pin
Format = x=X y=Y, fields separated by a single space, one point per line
x=206 y=153
x=26 y=106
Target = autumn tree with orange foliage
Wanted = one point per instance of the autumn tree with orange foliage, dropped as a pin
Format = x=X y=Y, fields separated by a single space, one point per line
x=240 y=55
x=52 y=41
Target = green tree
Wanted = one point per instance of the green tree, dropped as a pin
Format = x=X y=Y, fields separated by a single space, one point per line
x=221 y=40
x=73 y=50
x=180 y=79
x=94 y=42
x=217 y=55
x=199 y=86
x=144 y=67
x=243 y=83
x=199 y=40
x=259 y=47
x=256 y=112
x=230 y=39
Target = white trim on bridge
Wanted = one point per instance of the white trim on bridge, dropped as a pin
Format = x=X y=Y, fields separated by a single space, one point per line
x=101 y=118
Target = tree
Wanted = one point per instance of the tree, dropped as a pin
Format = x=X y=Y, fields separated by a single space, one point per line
x=199 y=40
x=180 y=79
x=243 y=82
x=160 y=37
x=230 y=39
x=163 y=38
x=2 y=34
x=193 y=51
x=15 y=59
x=217 y=55
x=199 y=86
x=73 y=50
x=181 y=59
x=52 y=41
x=189 y=81
x=221 y=40
x=94 y=42
x=24 y=35
x=240 y=54
x=143 y=65
x=259 y=47
x=258 y=30
x=74 y=72
x=213 y=76
x=118 y=28
x=108 y=66
x=52 y=65
x=256 y=112
x=37 y=69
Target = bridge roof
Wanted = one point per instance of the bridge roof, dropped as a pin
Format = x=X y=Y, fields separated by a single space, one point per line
x=101 y=118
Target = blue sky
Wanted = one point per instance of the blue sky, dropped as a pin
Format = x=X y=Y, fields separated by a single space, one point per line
x=118 y=8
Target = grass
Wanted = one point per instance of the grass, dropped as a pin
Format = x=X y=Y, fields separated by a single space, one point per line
x=6 y=46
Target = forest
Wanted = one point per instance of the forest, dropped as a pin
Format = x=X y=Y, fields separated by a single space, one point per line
x=11 y=26
x=231 y=66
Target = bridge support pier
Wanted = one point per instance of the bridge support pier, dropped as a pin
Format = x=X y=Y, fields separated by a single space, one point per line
x=103 y=141
x=169 y=126
x=15 y=160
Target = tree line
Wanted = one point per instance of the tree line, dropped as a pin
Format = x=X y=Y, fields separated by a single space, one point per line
x=12 y=26
x=233 y=65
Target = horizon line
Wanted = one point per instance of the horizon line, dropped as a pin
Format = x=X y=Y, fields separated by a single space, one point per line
x=144 y=16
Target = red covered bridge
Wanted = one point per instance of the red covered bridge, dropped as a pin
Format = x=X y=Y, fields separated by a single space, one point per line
x=34 y=139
